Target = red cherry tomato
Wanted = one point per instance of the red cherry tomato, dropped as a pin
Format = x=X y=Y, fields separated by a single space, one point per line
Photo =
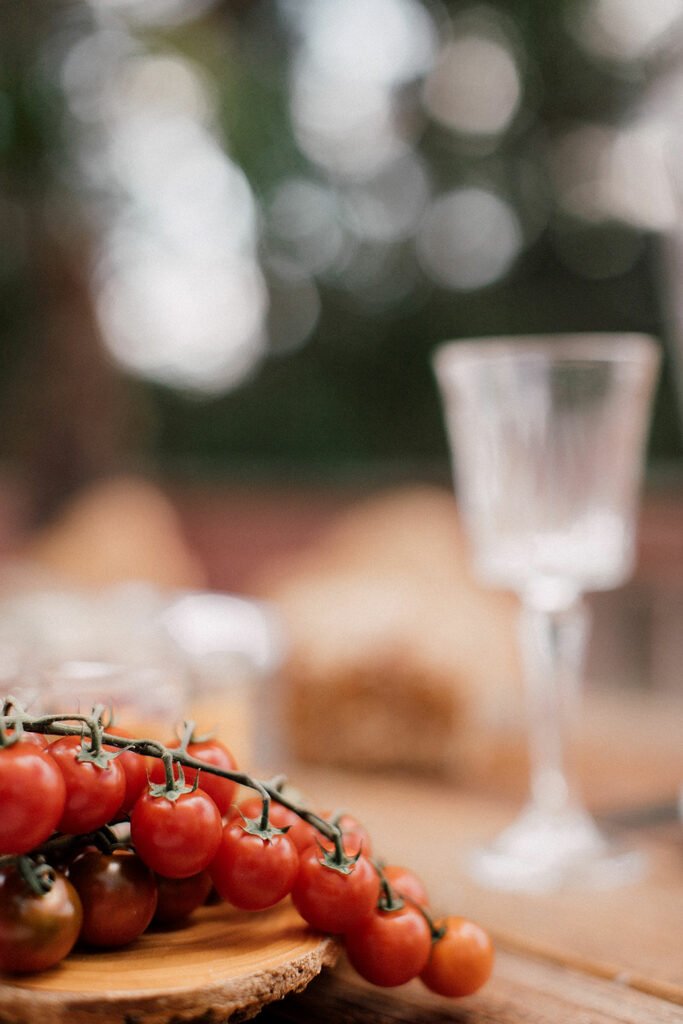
x=406 y=883
x=93 y=795
x=119 y=896
x=461 y=961
x=179 y=897
x=36 y=738
x=221 y=791
x=355 y=836
x=390 y=947
x=36 y=932
x=329 y=900
x=136 y=768
x=176 y=838
x=299 y=831
x=33 y=794
x=251 y=872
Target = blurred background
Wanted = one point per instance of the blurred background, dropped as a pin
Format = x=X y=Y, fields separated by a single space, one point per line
x=232 y=232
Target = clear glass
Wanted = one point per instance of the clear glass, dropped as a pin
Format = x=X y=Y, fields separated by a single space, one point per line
x=148 y=700
x=548 y=436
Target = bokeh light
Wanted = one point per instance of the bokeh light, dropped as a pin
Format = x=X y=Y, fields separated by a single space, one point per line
x=375 y=148
x=625 y=30
x=352 y=56
x=599 y=173
x=385 y=42
x=475 y=87
x=179 y=293
x=352 y=129
x=469 y=238
x=180 y=322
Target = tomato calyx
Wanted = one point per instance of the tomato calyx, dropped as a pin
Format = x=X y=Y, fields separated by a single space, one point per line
x=389 y=900
x=256 y=827
x=262 y=826
x=173 y=787
x=100 y=758
x=93 y=752
x=337 y=859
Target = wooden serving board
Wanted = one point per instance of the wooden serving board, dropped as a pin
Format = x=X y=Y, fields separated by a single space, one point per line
x=221 y=964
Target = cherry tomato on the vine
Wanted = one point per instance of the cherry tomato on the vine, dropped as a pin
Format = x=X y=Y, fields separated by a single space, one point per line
x=179 y=897
x=36 y=738
x=299 y=831
x=221 y=791
x=176 y=838
x=93 y=794
x=251 y=872
x=119 y=896
x=329 y=900
x=33 y=794
x=406 y=883
x=136 y=768
x=390 y=947
x=461 y=961
x=36 y=932
x=355 y=837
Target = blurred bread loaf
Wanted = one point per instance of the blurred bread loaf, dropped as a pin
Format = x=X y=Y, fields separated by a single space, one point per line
x=396 y=658
x=118 y=529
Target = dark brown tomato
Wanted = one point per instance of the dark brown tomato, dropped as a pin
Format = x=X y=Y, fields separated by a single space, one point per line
x=180 y=897
x=119 y=896
x=36 y=932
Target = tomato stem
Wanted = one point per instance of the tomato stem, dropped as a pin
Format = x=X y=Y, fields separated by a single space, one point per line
x=39 y=877
x=437 y=933
x=77 y=725
x=187 y=736
x=389 y=898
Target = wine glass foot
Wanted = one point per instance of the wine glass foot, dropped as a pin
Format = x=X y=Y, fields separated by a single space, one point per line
x=542 y=852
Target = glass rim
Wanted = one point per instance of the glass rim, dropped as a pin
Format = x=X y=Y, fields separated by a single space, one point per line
x=589 y=347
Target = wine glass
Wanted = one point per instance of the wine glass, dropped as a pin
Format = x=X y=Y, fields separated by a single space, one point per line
x=547 y=436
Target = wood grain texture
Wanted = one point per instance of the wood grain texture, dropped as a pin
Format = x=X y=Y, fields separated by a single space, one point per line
x=223 y=965
x=522 y=991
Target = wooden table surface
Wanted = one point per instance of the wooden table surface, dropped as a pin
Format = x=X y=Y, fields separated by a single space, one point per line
x=585 y=957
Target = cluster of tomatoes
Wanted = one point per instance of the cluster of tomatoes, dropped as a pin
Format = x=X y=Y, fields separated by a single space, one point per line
x=66 y=877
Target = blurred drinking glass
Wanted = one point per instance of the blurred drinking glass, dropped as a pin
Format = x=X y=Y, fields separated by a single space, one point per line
x=147 y=700
x=548 y=437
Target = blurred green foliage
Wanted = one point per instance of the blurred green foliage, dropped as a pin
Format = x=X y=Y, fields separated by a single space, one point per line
x=359 y=393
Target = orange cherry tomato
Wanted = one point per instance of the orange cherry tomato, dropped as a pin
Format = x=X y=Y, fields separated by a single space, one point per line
x=461 y=961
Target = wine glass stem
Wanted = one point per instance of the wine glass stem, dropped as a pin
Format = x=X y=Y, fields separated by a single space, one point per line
x=553 y=642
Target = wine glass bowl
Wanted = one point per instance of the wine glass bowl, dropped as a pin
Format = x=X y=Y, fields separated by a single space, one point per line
x=547 y=436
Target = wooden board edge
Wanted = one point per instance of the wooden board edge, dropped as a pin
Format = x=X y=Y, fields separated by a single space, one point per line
x=234 y=999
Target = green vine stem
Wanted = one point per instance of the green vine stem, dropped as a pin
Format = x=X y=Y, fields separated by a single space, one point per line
x=390 y=899
x=76 y=725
